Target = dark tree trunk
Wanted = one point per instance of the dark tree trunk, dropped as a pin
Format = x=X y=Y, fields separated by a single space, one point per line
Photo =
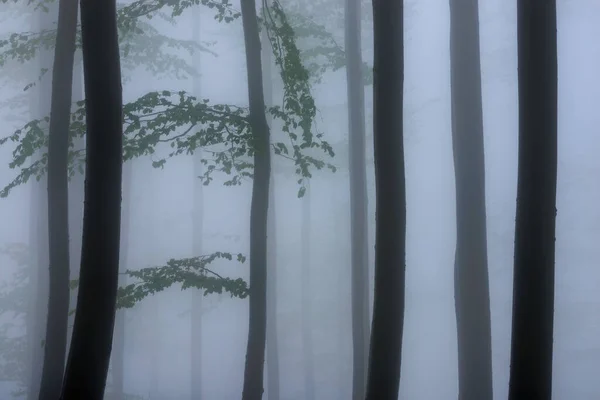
x=358 y=199
x=471 y=283
x=305 y=306
x=197 y=232
x=533 y=287
x=390 y=231
x=89 y=355
x=118 y=351
x=255 y=353
x=273 y=390
x=55 y=346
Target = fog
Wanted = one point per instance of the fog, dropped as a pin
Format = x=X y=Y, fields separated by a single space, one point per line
x=158 y=329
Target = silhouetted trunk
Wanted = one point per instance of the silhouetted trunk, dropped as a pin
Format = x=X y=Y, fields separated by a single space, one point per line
x=358 y=199
x=255 y=353
x=305 y=306
x=89 y=355
x=197 y=232
x=533 y=287
x=471 y=283
x=118 y=351
x=390 y=207
x=55 y=346
x=273 y=391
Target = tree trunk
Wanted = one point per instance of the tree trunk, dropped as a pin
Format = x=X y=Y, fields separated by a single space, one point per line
x=273 y=390
x=358 y=199
x=118 y=352
x=89 y=355
x=55 y=346
x=255 y=353
x=197 y=232
x=390 y=232
x=533 y=287
x=307 y=343
x=471 y=283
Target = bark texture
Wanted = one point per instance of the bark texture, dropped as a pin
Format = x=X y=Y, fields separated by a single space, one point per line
x=390 y=231
x=471 y=281
x=89 y=355
x=533 y=286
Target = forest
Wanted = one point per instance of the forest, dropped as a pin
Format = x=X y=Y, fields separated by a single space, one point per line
x=299 y=200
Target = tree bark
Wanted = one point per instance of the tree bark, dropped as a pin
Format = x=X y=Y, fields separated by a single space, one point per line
x=89 y=355
x=390 y=232
x=471 y=283
x=358 y=198
x=255 y=353
x=55 y=346
x=197 y=232
x=535 y=228
x=273 y=389
x=307 y=342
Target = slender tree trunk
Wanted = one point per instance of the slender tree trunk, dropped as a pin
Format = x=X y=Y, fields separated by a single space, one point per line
x=273 y=390
x=390 y=190
x=89 y=355
x=358 y=199
x=471 y=283
x=255 y=353
x=307 y=343
x=118 y=352
x=38 y=236
x=533 y=287
x=55 y=346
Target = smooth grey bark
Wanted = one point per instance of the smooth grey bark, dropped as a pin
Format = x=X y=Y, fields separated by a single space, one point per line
x=390 y=207
x=273 y=389
x=38 y=235
x=471 y=281
x=55 y=346
x=89 y=355
x=118 y=349
x=535 y=227
x=358 y=198
x=305 y=306
x=197 y=233
x=255 y=353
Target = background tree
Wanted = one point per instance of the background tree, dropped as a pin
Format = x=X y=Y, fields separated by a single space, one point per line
x=533 y=287
x=390 y=233
x=89 y=355
x=471 y=283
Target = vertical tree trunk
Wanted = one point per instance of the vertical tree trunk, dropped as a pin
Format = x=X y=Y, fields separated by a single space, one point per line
x=255 y=353
x=58 y=205
x=273 y=390
x=533 y=287
x=197 y=232
x=358 y=198
x=471 y=283
x=390 y=190
x=118 y=352
x=38 y=236
x=307 y=343
x=89 y=355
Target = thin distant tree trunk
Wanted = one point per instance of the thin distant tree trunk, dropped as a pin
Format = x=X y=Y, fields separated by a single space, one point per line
x=255 y=354
x=55 y=346
x=471 y=283
x=118 y=352
x=358 y=199
x=273 y=390
x=197 y=232
x=390 y=190
x=307 y=342
x=533 y=287
x=38 y=236
x=89 y=355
